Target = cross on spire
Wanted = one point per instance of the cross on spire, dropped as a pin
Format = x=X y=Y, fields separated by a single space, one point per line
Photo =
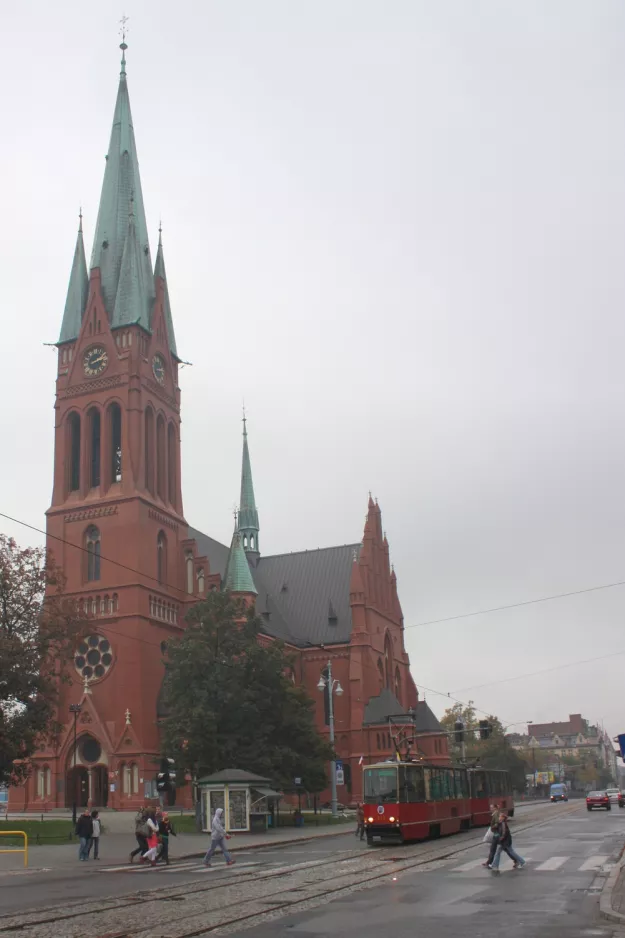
x=123 y=29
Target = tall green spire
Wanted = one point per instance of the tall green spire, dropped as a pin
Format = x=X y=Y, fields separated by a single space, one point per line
x=238 y=578
x=159 y=271
x=76 y=292
x=121 y=186
x=248 y=515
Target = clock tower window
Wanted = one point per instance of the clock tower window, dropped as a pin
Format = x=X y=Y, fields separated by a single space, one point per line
x=160 y=457
x=161 y=557
x=171 y=464
x=149 y=450
x=95 y=446
x=92 y=545
x=73 y=424
x=115 y=424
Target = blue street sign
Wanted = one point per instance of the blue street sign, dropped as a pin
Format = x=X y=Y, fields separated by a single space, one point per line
x=621 y=742
x=338 y=764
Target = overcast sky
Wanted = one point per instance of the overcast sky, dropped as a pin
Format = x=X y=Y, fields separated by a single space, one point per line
x=397 y=230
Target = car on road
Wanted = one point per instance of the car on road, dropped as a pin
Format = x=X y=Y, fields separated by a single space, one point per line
x=613 y=794
x=598 y=799
x=559 y=792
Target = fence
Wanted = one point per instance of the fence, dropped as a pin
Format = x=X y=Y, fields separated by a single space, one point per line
x=23 y=849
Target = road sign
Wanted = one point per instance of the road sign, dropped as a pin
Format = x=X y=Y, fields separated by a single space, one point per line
x=339 y=764
x=297 y=781
x=621 y=742
x=340 y=777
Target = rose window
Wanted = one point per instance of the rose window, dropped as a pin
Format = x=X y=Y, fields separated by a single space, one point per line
x=93 y=657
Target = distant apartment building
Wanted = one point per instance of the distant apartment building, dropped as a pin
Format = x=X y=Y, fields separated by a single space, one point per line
x=573 y=738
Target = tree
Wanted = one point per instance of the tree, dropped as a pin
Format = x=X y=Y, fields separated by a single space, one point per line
x=492 y=753
x=230 y=702
x=39 y=628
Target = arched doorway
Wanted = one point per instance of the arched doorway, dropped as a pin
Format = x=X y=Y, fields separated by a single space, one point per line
x=87 y=774
x=77 y=786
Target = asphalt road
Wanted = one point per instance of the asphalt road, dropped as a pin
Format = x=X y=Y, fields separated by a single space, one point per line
x=554 y=896
x=338 y=884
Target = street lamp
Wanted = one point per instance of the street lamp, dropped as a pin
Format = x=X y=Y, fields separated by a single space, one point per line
x=334 y=687
x=75 y=709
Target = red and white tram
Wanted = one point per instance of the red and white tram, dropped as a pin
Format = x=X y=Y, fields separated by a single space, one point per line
x=413 y=800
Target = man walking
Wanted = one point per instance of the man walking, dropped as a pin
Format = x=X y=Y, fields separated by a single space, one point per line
x=218 y=839
x=84 y=830
x=505 y=845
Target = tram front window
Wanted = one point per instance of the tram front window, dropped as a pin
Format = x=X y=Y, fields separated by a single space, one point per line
x=380 y=785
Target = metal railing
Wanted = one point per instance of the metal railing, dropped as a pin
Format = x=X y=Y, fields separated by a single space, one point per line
x=23 y=849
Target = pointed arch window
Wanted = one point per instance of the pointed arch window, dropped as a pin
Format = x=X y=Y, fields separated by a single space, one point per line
x=74 y=451
x=381 y=673
x=160 y=457
x=115 y=426
x=161 y=557
x=149 y=450
x=171 y=464
x=398 y=684
x=94 y=446
x=388 y=662
x=92 y=546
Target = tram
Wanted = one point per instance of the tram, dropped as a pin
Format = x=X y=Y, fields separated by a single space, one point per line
x=413 y=800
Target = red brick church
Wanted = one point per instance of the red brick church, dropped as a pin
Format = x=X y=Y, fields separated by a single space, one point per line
x=117 y=528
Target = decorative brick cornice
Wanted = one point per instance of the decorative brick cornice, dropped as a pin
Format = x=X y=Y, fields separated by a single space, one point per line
x=98 y=384
x=162 y=519
x=156 y=389
x=88 y=514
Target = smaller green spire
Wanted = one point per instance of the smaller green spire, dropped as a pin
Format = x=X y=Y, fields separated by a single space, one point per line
x=159 y=271
x=248 y=515
x=77 y=291
x=238 y=578
x=134 y=295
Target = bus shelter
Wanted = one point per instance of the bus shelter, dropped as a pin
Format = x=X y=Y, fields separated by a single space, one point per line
x=248 y=800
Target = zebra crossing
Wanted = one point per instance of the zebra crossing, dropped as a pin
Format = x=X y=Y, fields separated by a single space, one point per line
x=594 y=864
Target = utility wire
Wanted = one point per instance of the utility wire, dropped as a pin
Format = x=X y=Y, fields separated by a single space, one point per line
x=466 y=615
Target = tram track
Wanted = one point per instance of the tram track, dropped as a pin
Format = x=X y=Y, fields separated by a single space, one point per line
x=209 y=906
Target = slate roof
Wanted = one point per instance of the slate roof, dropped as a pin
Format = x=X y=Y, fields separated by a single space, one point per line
x=233 y=775
x=386 y=705
x=297 y=592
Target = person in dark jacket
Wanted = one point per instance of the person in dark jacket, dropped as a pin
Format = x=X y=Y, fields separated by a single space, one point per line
x=165 y=828
x=141 y=834
x=505 y=845
x=360 y=820
x=84 y=830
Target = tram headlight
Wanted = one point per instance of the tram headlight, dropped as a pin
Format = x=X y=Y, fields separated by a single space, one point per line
x=370 y=819
x=391 y=819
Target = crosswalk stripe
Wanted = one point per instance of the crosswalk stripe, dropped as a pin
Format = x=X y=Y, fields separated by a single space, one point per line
x=468 y=866
x=592 y=863
x=188 y=867
x=553 y=863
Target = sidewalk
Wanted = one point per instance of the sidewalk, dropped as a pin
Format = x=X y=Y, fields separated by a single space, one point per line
x=115 y=848
x=612 y=899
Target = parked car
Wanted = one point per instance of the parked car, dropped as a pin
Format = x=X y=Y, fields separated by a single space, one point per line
x=613 y=794
x=598 y=799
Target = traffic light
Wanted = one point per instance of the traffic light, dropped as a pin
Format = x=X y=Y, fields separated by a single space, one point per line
x=485 y=729
x=459 y=731
x=166 y=778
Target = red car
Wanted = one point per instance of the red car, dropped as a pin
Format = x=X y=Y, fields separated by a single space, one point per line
x=598 y=799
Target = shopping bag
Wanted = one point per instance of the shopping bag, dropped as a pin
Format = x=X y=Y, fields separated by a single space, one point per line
x=488 y=837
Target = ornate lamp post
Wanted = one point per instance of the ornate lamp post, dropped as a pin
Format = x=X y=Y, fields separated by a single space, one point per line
x=75 y=709
x=334 y=687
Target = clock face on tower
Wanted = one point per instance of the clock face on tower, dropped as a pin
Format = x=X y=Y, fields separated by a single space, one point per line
x=158 y=367
x=95 y=360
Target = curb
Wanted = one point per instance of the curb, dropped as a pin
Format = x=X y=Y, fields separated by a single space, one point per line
x=605 y=899
x=259 y=845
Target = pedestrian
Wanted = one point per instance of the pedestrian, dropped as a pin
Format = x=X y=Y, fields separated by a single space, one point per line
x=165 y=828
x=141 y=833
x=505 y=845
x=360 y=820
x=95 y=837
x=153 y=839
x=494 y=835
x=84 y=830
x=218 y=839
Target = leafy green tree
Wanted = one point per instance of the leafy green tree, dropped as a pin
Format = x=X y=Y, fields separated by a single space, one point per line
x=232 y=704
x=492 y=753
x=39 y=627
